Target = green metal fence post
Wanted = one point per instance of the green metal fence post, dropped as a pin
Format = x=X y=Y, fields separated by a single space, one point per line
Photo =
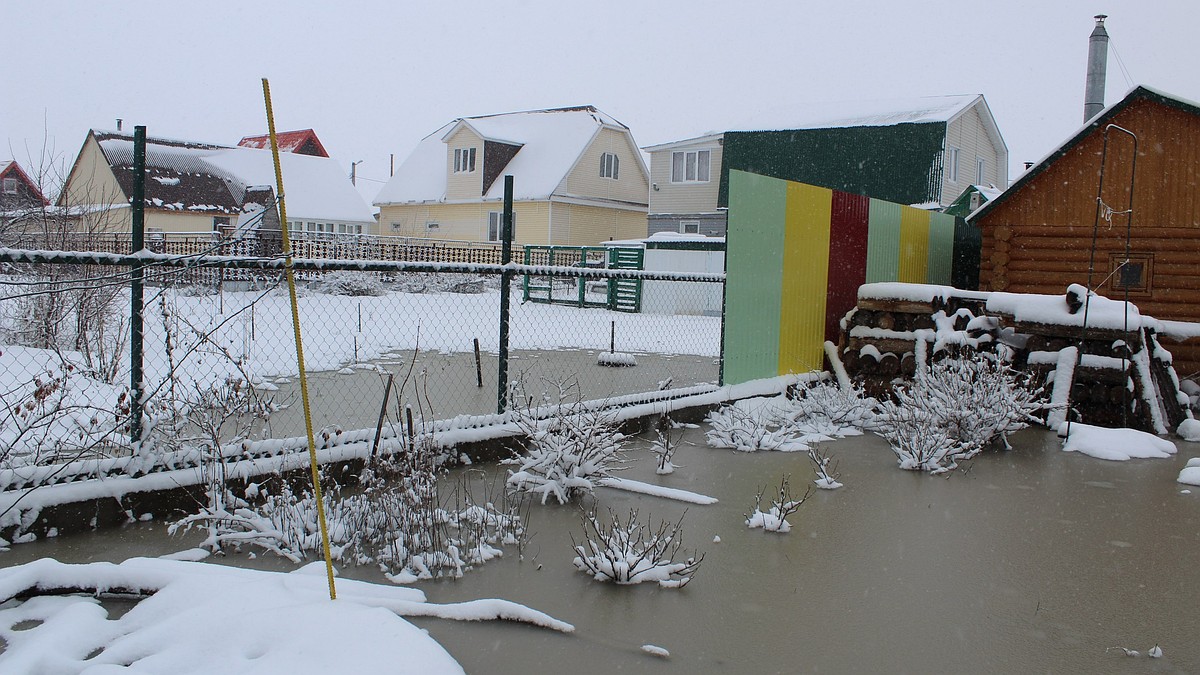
x=136 y=327
x=505 y=283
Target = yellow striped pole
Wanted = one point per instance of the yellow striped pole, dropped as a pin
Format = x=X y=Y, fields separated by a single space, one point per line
x=290 y=274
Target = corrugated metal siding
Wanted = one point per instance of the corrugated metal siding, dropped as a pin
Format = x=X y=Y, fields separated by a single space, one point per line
x=883 y=242
x=941 y=249
x=914 y=245
x=805 y=278
x=849 y=216
x=891 y=163
x=754 y=281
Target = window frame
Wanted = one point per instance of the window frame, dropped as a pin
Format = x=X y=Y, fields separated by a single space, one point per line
x=464 y=160
x=498 y=217
x=1116 y=282
x=980 y=166
x=697 y=167
x=16 y=186
x=685 y=224
x=610 y=166
x=952 y=164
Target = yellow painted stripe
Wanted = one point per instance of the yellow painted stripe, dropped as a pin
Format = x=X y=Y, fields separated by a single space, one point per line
x=914 y=245
x=805 y=278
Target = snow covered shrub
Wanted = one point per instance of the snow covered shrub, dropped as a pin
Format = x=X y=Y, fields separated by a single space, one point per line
x=827 y=408
x=826 y=476
x=774 y=519
x=751 y=425
x=58 y=414
x=956 y=409
x=344 y=282
x=633 y=551
x=567 y=453
x=398 y=520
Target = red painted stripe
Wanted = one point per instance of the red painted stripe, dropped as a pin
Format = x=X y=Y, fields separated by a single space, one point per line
x=847 y=257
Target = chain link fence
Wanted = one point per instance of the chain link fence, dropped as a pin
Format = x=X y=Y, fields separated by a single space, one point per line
x=385 y=342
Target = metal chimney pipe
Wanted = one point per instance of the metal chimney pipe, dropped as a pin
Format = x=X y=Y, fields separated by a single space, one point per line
x=119 y=124
x=1097 y=70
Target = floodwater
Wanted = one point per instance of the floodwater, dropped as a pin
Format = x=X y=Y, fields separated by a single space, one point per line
x=1033 y=560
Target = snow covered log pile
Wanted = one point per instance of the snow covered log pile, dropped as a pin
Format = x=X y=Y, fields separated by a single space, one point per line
x=1112 y=370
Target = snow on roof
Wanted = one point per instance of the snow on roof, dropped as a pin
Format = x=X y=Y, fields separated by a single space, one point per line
x=845 y=114
x=551 y=142
x=199 y=176
x=659 y=237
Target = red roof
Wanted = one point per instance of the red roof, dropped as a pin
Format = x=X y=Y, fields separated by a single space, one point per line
x=10 y=169
x=304 y=142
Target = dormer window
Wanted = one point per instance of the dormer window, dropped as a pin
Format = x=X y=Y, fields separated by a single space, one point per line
x=609 y=165
x=464 y=160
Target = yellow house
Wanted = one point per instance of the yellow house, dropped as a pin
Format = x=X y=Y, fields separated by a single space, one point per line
x=578 y=180
x=200 y=188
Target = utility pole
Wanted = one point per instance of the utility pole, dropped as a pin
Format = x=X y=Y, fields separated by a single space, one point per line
x=354 y=172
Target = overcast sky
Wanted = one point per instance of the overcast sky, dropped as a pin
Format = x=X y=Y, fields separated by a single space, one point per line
x=373 y=78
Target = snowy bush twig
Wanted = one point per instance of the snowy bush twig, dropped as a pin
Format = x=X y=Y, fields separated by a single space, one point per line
x=633 y=552
x=826 y=476
x=774 y=519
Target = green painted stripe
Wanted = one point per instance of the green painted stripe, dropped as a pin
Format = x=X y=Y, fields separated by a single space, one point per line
x=883 y=241
x=941 y=248
x=754 y=276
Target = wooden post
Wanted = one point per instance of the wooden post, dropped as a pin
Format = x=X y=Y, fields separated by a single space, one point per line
x=478 y=367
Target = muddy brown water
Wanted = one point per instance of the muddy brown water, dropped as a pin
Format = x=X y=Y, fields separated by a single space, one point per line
x=1032 y=560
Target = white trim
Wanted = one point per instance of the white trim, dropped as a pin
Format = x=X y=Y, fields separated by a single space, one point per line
x=698 y=140
x=696 y=167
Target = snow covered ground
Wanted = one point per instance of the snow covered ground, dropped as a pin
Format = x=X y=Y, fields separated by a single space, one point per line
x=204 y=618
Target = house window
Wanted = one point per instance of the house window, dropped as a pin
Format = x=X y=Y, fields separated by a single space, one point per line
x=609 y=165
x=464 y=160
x=952 y=164
x=979 y=167
x=690 y=166
x=689 y=227
x=10 y=186
x=495 y=225
x=1133 y=273
x=220 y=222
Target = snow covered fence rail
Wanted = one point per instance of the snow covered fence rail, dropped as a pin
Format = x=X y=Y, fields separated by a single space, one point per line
x=147 y=258
x=37 y=499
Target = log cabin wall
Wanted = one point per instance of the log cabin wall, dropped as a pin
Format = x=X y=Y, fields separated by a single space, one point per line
x=1037 y=236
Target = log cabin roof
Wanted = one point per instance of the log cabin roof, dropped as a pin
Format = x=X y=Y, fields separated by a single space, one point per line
x=1096 y=124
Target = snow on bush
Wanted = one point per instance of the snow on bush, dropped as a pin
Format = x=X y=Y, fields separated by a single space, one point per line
x=399 y=521
x=352 y=283
x=750 y=425
x=566 y=454
x=774 y=519
x=633 y=551
x=814 y=412
x=958 y=407
x=826 y=475
x=825 y=407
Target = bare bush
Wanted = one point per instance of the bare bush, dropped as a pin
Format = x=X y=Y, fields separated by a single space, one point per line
x=352 y=283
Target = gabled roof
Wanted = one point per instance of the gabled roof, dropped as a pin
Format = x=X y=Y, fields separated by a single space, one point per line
x=304 y=142
x=201 y=177
x=10 y=169
x=847 y=114
x=550 y=141
x=1138 y=93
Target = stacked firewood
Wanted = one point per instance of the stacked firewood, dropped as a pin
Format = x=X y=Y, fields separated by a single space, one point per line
x=1112 y=377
